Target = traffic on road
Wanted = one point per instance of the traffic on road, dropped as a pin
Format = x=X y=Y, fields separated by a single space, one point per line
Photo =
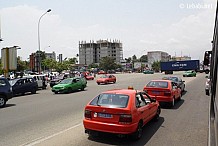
x=110 y=115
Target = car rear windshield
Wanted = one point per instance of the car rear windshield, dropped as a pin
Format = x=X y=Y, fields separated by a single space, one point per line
x=111 y=100
x=158 y=84
x=171 y=78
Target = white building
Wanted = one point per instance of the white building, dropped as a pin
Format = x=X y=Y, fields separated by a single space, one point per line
x=154 y=56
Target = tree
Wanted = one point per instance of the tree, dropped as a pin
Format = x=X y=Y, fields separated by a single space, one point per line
x=21 y=65
x=144 y=58
x=156 y=66
x=107 y=63
x=128 y=60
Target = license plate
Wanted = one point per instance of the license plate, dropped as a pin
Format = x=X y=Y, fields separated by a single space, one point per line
x=156 y=92
x=102 y=115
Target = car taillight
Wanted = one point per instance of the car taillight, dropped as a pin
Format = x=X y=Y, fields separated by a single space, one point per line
x=167 y=93
x=125 y=119
x=87 y=114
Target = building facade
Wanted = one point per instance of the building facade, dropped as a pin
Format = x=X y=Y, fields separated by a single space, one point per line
x=92 y=52
x=154 y=56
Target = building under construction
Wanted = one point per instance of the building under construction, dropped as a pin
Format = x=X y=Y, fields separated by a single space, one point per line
x=92 y=52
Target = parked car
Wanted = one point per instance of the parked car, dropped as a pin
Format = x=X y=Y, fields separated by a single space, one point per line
x=24 y=85
x=190 y=73
x=163 y=91
x=6 y=92
x=148 y=71
x=105 y=79
x=41 y=81
x=176 y=79
x=88 y=77
x=58 y=79
x=122 y=112
x=101 y=72
x=69 y=85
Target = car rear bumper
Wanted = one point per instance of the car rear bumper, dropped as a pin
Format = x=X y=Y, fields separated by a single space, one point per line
x=109 y=128
x=163 y=98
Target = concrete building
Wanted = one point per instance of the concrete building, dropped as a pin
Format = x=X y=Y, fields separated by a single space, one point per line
x=51 y=55
x=157 y=56
x=182 y=58
x=92 y=52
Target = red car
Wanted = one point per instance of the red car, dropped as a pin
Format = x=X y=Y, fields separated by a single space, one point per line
x=101 y=72
x=122 y=112
x=88 y=77
x=164 y=91
x=105 y=79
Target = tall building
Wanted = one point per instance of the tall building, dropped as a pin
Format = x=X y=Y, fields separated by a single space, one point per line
x=157 y=56
x=92 y=52
x=51 y=55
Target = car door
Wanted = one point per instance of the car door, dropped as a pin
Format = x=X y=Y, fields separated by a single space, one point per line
x=152 y=105
x=18 y=87
x=174 y=88
x=143 y=110
x=75 y=84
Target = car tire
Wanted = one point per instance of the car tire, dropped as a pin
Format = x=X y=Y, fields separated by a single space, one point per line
x=138 y=133
x=114 y=82
x=180 y=96
x=2 y=101
x=33 y=91
x=172 y=103
x=82 y=88
x=98 y=83
x=157 y=116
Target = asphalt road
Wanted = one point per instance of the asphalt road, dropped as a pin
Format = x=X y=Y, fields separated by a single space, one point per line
x=56 y=119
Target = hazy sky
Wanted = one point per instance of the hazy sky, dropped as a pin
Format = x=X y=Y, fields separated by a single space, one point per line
x=179 y=27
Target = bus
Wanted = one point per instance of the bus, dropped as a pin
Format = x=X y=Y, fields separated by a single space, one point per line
x=211 y=60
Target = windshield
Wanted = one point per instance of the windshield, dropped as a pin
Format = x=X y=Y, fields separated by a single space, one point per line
x=158 y=84
x=111 y=100
x=66 y=81
x=104 y=76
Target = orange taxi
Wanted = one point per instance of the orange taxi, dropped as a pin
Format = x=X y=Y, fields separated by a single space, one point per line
x=163 y=91
x=105 y=79
x=121 y=111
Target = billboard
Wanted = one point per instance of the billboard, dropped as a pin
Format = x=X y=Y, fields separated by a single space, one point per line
x=9 y=58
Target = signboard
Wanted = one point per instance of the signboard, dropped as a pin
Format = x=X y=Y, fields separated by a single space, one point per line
x=9 y=58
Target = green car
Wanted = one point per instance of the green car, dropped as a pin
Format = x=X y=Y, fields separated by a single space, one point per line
x=69 y=85
x=190 y=73
x=148 y=72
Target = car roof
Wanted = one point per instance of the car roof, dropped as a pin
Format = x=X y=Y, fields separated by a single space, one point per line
x=161 y=81
x=122 y=91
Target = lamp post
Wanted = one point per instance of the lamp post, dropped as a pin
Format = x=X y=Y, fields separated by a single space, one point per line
x=39 y=64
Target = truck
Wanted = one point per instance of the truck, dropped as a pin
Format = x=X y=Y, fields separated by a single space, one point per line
x=170 y=66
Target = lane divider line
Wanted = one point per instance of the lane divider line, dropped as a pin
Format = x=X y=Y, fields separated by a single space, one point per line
x=39 y=140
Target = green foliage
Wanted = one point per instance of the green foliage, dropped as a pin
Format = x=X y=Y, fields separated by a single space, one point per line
x=144 y=58
x=107 y=63
x=93 y=65
x=156 y=66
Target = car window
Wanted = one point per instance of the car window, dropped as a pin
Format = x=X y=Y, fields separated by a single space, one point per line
x=111 y=100
x=158 y=84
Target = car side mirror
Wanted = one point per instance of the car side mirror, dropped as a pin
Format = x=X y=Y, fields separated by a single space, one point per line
x=153 y=100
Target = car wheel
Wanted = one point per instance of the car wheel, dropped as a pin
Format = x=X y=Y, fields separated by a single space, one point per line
x=82 y=88
x=172 y=103
x=156 y=118
x=138 y=133
x=180 y=95
x=2 y=102
x=33 y=91
x=114 y=82
x=56 y=92
x=207 y=92
x=98 y=83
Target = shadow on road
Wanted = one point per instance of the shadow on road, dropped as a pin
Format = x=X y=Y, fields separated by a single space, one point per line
x=148 y=131
x=176 y=106
x=9 y=105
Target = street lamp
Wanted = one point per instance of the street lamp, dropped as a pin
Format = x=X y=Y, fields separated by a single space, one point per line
x=49 y=10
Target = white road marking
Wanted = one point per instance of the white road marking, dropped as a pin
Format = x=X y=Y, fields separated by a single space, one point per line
x=41 y=139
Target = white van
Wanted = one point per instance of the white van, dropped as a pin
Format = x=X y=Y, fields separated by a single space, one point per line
x=41 y=81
